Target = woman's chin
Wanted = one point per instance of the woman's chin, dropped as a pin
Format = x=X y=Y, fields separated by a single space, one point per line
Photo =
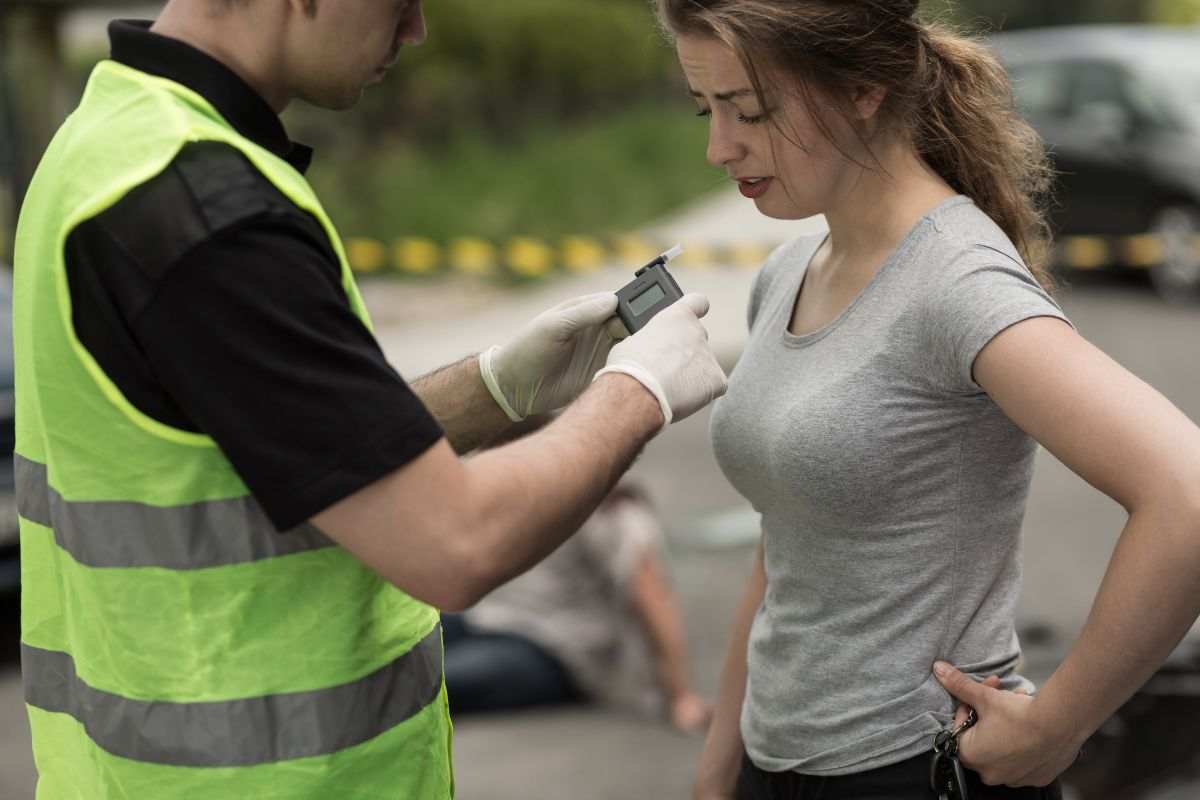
x=770 y=207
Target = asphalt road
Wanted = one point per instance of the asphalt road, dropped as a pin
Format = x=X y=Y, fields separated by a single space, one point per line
x=587 y=754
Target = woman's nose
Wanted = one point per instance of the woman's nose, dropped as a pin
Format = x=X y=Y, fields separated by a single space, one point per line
x=723 y=147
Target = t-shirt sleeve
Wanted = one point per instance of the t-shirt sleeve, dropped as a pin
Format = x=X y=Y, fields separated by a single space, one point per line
x=254 y=338
x=982 y=294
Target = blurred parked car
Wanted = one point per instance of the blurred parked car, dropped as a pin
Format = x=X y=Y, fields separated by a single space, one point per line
x=10 y=571
x=1119 y=107
x=1148 y=750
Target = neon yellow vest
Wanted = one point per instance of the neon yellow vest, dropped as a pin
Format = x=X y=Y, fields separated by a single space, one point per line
x=173 y=644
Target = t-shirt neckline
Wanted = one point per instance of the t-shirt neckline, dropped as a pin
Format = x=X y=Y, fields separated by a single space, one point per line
x=806 y=339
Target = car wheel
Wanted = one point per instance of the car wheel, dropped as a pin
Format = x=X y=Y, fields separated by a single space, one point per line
x=1177 y=277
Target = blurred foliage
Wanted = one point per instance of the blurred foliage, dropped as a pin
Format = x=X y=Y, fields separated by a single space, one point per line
x=536 y=117
x=1175 y=12
x=500 y=67
x=608 y=175
x=994 y=15
x=525 y=117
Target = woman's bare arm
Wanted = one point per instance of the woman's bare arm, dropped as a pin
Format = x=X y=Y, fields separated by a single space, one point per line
x=1131 y=443
x=722 y=755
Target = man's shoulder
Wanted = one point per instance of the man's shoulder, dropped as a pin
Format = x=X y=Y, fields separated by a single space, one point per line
x=208 y=188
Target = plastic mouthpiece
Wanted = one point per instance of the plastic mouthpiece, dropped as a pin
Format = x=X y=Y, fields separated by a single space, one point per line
x=672 y=253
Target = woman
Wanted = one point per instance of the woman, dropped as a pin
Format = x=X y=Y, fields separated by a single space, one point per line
x=885 y=414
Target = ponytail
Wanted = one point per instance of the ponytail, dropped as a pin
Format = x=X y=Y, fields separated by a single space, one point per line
x=970 y=133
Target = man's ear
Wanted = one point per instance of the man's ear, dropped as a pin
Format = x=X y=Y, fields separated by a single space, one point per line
x=867 y=100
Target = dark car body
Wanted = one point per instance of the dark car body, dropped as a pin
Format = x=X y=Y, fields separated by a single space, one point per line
x=1119 y=108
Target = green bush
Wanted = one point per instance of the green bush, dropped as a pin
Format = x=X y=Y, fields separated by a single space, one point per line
x=520 y=117
x=612 y=175
x=499 y=67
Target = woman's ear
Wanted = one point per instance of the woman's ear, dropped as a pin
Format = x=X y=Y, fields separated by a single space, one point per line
x=867 y=100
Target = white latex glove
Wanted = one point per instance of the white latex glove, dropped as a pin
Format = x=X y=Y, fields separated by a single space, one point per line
x=553 y=358
x=672 y=359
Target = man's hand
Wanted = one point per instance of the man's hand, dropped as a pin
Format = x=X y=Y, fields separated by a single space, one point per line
x=672 y=359
x=1012 y=744
x=554 y=357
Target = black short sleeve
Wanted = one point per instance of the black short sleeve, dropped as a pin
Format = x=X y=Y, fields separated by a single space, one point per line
x=256 y=342
x=216 y=306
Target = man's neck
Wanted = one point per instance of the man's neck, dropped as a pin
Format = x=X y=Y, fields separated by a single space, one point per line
x=250 y=47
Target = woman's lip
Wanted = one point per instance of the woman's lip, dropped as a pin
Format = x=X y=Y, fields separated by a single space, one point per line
x=755 y=189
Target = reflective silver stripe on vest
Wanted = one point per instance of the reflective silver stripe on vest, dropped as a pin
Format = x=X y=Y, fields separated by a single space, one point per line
x=238 y=733
x=212 y=533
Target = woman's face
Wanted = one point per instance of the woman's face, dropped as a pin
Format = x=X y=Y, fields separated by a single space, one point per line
x=778 y=155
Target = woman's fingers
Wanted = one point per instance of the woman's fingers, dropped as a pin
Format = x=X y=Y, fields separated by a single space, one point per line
x=960 y=713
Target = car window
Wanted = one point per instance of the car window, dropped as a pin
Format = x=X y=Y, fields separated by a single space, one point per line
x=1113 y=85
x=1161 y=101
x=1041 y=90
x=1096 y=82
x=1103 y=102
x=1173 y=89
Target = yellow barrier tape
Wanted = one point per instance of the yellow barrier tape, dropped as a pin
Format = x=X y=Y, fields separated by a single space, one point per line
x=1085 y=252
x=632 y=250
x=473 y=256
x=418 y=256
x=580 y=254
x=1142 y=251
x=698 y=256
x=366 y=255
x=747 y=255
x=530 y=257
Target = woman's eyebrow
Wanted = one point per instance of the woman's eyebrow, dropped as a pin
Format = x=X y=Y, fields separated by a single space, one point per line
x=723 y=95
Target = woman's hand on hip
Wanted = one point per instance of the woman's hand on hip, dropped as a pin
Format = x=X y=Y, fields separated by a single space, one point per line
x=1011 y=744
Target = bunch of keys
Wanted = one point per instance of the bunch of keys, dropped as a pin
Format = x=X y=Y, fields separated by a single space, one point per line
x=946 y=775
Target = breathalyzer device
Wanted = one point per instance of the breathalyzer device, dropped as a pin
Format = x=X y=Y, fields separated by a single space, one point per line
x=651 y=290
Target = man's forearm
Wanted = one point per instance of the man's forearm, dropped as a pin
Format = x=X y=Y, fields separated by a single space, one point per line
x=537 y=491
x=1131 y=628
x=462 y=405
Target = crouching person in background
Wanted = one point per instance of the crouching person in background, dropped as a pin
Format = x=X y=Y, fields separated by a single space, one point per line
x=597 y=621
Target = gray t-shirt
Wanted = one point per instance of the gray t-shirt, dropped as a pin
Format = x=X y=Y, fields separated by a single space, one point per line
x=891 y=489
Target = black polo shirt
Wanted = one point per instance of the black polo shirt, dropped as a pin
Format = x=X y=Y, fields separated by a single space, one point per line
x=216 y=305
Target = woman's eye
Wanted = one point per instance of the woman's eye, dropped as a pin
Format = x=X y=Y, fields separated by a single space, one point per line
x=751 y=120
x=704 y=112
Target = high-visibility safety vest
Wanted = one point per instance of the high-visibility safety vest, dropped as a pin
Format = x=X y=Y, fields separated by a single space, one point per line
x=173 y=644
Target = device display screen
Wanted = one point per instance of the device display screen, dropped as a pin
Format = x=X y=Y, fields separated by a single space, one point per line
x=646 y=300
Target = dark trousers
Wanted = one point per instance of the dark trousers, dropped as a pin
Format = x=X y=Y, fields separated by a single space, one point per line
x=499 y=672
x=908 y=780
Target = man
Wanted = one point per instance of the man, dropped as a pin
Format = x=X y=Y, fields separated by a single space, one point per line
x=238 y=522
